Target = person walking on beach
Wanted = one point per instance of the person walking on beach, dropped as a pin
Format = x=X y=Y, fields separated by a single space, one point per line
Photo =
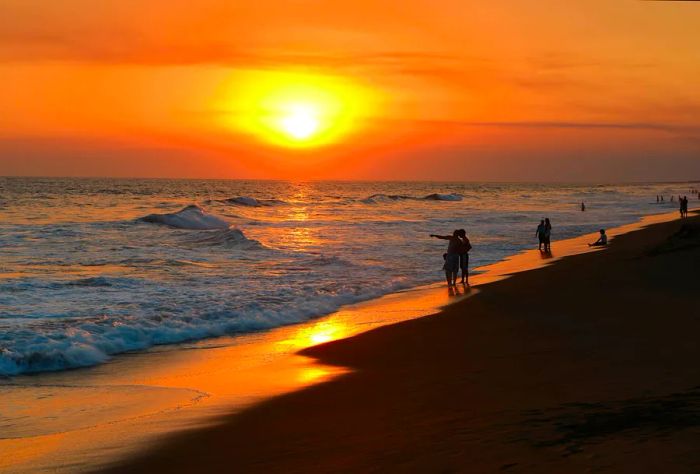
x=464 y=256
x=539 y=233
x=454 y=248
x=602 y=240
x=547 y=235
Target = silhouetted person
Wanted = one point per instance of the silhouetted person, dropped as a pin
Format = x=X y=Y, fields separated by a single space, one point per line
x=602 y=240
x=583 y=207
x=539 y=233
x=657 y=198
x=547 y=235
x=451 y=265
x=684 y=206
x=464 y=256
x=680 y=207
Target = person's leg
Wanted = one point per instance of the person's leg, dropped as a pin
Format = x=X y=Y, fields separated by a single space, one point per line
x=448 y=277
x=465 y=270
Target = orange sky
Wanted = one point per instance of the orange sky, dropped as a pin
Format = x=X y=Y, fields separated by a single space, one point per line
x=461 y=90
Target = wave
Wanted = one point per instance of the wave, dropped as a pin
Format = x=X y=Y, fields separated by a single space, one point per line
x=378 y=198
x=231 y=238
x=251 y=202
x=48 y=347
x=443 y=197
x=191 y=217
x=384 y=198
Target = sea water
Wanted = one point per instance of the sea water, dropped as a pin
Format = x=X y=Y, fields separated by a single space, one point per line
x=90 y=268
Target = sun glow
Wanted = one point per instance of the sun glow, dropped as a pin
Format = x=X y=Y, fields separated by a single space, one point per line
x=296 y=110
x=301 y=122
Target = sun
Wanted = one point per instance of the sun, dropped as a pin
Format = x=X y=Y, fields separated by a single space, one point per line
x=296 y=110
x=301 y=122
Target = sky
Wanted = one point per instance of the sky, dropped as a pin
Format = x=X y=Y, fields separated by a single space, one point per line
x=507 y=90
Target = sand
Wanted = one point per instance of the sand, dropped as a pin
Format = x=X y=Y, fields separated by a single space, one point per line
x=590 y=364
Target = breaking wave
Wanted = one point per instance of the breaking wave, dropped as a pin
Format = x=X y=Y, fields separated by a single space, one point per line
x=46 y=347
x=191 y=217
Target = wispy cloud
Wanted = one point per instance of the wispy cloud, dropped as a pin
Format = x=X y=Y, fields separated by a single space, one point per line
x=565 y=124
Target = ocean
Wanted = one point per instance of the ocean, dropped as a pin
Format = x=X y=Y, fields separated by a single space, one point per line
x=90 y=268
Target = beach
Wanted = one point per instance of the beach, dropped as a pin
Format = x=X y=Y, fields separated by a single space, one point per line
x=589 y=364
x=234 y=236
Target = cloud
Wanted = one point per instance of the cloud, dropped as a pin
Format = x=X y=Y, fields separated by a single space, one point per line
x=683 y=132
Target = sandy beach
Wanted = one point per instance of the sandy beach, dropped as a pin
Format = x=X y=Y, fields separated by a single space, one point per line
x=586 y=365
x=232 y=232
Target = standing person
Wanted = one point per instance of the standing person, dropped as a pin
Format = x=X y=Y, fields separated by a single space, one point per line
x=583 y=207
x=464 y=256
x=451 y=265
x=547 y=235
x=680 y=206
x=685 y=206
x=539 y=233
x=657 y=198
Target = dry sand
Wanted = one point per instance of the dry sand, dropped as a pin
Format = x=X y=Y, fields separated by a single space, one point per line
x=590 y=364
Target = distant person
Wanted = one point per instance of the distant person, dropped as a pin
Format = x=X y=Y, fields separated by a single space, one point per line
x=684 y=206
x=583 y=207
x=464 y=256
x=602 y=240
x=539 y=233
x=680 y=207
x=672 y=198
x=657 y=198
x=547 y=235
x=662 y=199
x=451 y=265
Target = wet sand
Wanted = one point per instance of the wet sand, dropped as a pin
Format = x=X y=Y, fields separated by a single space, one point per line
x=587 y=365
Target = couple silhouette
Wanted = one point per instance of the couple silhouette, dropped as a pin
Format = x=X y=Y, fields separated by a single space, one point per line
x=457 y=256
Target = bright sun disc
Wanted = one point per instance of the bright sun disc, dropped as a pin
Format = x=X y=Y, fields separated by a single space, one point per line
x=295 y=110
x=301 y=122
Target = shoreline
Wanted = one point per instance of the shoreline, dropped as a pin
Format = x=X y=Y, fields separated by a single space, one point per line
x=492 y=383
x=200 y=401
